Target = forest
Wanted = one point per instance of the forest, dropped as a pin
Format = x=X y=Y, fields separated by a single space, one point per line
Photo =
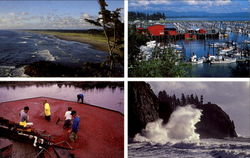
x=146 y=16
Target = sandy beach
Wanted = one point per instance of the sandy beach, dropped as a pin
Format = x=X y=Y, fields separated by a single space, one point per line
x=97 y=41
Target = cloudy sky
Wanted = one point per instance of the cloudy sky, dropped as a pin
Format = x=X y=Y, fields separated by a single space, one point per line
x=213 y=6
x=50 y=14
x=232 y=97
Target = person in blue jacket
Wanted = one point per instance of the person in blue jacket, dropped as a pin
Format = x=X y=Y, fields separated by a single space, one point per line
x=80 y=97
x=75 y=126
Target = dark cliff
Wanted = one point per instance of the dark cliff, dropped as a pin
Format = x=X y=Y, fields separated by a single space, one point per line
x=215 y=123
x=144 y=106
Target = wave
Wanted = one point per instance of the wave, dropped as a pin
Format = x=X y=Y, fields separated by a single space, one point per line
x=12 y=71
x=23 y=42
x=7 y=67
x=206 y=148
x=46 y=55
x=229 y=154
x=180 y=127
x=26 y=37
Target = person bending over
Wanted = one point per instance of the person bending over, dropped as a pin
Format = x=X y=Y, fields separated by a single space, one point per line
x=24 y=118
x=80 y=97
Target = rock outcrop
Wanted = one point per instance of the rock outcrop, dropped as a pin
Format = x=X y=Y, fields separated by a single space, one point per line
x=143 y=107
x=215 y=123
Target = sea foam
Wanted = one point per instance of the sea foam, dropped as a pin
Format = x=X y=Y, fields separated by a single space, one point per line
x=46 y=55
x=180 y=127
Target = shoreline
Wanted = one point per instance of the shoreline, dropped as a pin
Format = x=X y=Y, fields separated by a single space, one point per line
x=95 y=42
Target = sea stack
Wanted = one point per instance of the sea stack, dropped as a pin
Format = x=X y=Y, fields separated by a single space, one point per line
x=215 y=123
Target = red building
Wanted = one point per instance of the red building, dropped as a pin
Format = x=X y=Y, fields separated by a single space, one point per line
x=187 y=36
x=170 y=30
x=202 y=31
x=156 y=30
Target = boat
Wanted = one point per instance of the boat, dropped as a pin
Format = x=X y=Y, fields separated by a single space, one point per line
x=212 y=57
x=176 y=46
x=224 y=61
x=247 y=41
x=216 y=45
x=225 y=51
x=195 y=60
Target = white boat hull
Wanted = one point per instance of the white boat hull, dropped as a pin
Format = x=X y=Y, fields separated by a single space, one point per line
x=226 y=61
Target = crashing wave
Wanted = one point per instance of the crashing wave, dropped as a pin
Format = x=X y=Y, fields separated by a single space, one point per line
x=180 y=127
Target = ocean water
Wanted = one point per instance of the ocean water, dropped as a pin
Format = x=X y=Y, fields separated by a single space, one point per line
x=178 y=139
x=204 y=148
x=23 y=48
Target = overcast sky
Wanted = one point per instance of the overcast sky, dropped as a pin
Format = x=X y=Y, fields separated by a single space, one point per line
x=212 y=6
x=232 y=97
x=64 y=14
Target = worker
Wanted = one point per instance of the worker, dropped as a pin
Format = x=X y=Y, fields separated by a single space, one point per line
x=80 y=97
x=24 y=118
x=47 y=113
x=68 y=118
x=75 y=126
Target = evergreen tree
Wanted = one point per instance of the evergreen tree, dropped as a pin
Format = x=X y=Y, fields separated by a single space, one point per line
x=201 y=100
x=183 y=99
x=196 y=100
x=113 y=29
x=192 y=101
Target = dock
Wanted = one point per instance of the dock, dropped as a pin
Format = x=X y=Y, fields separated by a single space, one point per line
x=101 y=132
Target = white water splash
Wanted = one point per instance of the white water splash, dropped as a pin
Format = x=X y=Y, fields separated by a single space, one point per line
x=23 y=42
x=180 y=127
x=46 y=55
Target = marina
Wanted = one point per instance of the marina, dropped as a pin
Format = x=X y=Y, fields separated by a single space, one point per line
x=222 y=45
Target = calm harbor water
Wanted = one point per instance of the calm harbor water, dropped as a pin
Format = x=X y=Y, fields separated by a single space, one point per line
x=201 y=48
x=110 y=98
x=23 y=48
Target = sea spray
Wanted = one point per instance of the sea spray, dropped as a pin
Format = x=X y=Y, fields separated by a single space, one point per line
x=180 y=127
